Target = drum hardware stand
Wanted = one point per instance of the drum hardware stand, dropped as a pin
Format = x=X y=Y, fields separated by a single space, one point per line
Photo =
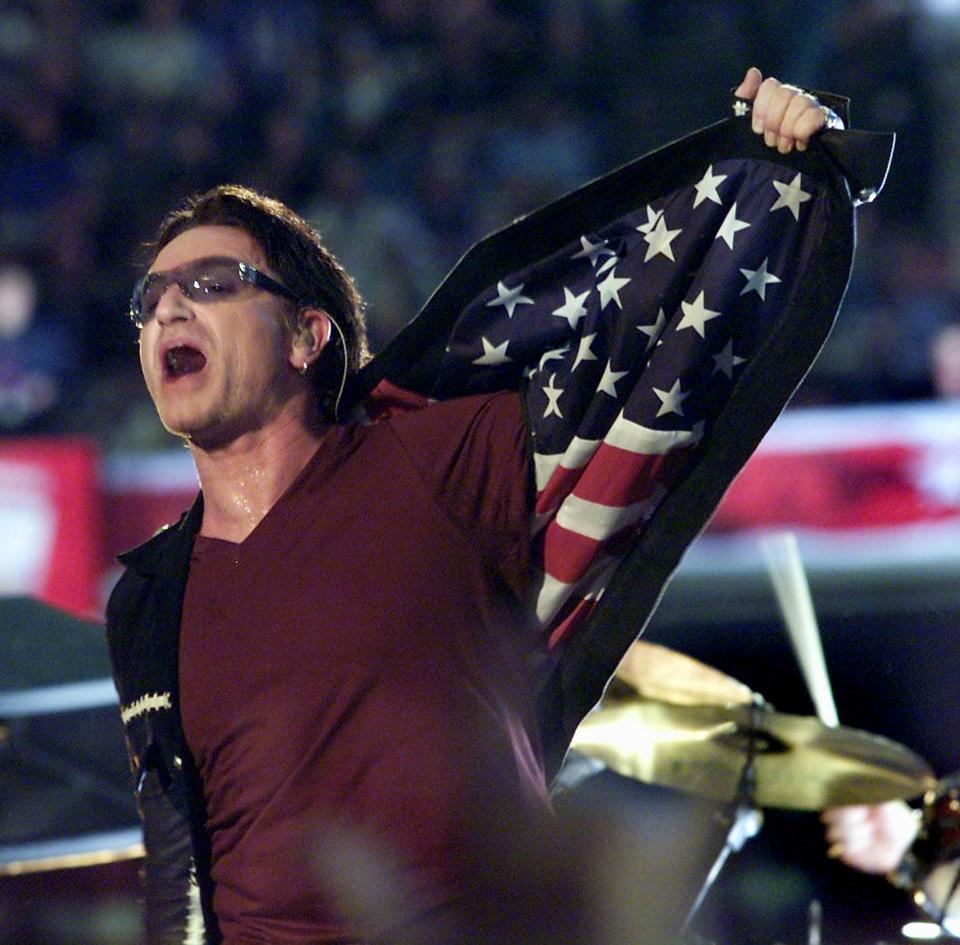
x=942 y=912
x=814 y=922
x=747 y=818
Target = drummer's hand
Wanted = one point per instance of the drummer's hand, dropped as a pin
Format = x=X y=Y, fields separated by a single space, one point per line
x=872 y=838
x=785 y=115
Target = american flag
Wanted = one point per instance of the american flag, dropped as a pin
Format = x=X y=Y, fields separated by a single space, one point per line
x=662 y=334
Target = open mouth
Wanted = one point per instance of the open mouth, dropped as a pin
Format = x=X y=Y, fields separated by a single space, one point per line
x=183 y=360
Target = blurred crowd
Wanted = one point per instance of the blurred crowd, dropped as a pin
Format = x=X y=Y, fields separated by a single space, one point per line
x=407 y=129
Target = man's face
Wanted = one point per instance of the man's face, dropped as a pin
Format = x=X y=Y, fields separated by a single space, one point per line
x=216 y=370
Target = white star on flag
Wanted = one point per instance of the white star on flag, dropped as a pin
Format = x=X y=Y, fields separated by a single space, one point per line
x=584 y=352
x=553 y=355
x=671 y=401
x=509 y=298
x=696 y=315
x=659 y=240
x=654 y=331
x=610 y=290
x=652 y=217
x=608 y=264
x=592 y=251
x=791 y=196
x=492 y=354
x=707 y=187
x=758 y=280
x=573 y=308
x=618 y=401
x=726 y=360
x=730 y=226
x=608 y=383
x=553 y=398
x=740 y=108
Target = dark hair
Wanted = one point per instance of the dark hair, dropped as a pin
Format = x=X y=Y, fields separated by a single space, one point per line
x=293 y=249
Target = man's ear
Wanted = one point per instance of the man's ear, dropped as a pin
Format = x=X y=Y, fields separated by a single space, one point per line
x=310 y=338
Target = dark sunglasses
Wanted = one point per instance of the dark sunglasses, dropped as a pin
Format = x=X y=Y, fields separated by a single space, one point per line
x=202 y=280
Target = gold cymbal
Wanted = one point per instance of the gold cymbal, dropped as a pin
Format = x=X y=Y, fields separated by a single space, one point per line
x=45 y=863
x=798 y=762
x=656 y=672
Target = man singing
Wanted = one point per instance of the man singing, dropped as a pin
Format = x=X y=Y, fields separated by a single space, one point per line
x=338 y=631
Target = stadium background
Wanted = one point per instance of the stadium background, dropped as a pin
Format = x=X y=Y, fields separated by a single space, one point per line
x=405 y=130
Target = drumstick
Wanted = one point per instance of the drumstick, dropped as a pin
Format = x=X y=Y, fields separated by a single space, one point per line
x=793 y=594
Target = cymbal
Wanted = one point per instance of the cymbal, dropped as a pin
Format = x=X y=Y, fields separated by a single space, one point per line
x=97 y=849
x=46 y=646
x=64 y=776
x=657 y=672
x=65 y=783
x=798 y=762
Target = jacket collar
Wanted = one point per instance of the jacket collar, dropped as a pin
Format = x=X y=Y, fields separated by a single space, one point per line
x=168 y=551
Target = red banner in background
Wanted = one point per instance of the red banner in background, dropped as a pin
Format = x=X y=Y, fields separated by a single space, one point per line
x=51 y=520
x=883 y=478
x=851 y=469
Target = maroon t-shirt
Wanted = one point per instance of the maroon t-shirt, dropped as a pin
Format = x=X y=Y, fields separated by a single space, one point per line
x=363 y=657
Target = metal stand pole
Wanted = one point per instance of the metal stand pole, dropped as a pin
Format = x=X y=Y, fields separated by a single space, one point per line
x=747 y=819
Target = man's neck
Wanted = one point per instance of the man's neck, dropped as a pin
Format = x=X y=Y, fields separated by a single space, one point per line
x=243 y=480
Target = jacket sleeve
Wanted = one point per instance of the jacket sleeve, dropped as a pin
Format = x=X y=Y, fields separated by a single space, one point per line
x=173 y=909
x=656 y=321
x=142 y=622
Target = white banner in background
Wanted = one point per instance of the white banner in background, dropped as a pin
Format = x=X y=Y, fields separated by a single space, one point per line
x=28 y=521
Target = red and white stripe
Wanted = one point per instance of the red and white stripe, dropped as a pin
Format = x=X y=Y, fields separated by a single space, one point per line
x=590 y=498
